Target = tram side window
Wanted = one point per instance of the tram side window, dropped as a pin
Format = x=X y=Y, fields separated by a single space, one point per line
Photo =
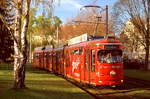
x=77 y=52
x=49 y=55
x=80 y=51
x=45 y=54
x=93 y=60
x=110 y=56
x=36 y=56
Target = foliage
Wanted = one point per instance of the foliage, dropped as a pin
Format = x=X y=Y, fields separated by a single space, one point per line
x=45 y=27
x=32 y=20
x=6 y=41
x=6 y=44
x=43 y=24
x=21 y=12
x=7 y=12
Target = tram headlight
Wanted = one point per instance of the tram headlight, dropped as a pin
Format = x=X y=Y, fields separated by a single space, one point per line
x=112 y=73
x=100 y=81
x=121 y=81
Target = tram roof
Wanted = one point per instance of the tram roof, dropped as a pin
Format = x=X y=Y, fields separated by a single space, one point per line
x=96 y=42
x=45 y=48
x=38 y=49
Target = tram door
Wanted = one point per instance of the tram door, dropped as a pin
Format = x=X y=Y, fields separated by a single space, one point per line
x=86 y=72
x=45 y=61
x=90 y=66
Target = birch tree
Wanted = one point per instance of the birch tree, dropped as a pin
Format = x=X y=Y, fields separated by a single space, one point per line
x=21 y=13
x=20 y=41
x=18 y=32
x=139 y=13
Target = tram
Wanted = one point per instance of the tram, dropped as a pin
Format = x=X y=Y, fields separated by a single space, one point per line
x=96 y=62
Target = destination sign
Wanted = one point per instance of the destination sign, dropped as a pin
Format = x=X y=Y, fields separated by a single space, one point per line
x=111 y=47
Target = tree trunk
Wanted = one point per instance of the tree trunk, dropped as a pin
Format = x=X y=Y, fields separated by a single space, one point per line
x=20 y=47
x=19 y=73
x=147 y=54
x=147 y=37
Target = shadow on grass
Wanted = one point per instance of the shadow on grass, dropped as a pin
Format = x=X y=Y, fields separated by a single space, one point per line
x=41 y=85
x=51 y=89
x=42 y=94
x=29 y=68
x=123 y=97
x=45 y=89
x=6 y=66
x=51 y=84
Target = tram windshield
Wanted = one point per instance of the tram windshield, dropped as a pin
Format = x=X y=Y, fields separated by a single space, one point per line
x=110 y=56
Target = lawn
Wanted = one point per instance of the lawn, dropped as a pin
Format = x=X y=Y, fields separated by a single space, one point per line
x=145 y=75
x=40 y=85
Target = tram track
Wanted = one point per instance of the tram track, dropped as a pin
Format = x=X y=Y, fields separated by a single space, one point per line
x=83 y=88
x=136 y=83
x=130 y=85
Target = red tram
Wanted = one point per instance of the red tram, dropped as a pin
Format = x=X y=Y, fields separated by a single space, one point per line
x=36 y=57
x=96 y=62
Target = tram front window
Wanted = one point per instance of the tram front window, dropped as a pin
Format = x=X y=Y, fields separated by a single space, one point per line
x=110 y=56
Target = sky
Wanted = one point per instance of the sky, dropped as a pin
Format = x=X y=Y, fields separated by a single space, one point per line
x=66 y=9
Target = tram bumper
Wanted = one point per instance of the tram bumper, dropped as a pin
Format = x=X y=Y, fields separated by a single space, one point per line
x=110 y=82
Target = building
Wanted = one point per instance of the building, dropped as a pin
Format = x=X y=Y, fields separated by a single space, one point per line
x=132 y=41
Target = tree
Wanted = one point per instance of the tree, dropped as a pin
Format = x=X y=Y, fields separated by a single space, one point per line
x=138 y=11
x=44 y=27
x=6 y=41
x=32 y=18
x=21 y=13
x=19 y=36
x=20 y=42
x=44 y=24
x=57 y=23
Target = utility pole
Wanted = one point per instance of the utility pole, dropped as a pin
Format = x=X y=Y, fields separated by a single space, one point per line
x=98 y=18
x=30 y=56
x=107 y=20
x=57 y=32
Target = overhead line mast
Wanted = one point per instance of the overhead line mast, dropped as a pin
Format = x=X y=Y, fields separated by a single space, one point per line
x=98 y=18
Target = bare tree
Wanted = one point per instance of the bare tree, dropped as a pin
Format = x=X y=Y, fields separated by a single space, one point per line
x=138 y=11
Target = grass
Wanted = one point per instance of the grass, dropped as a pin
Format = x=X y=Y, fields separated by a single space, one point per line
x=41 y=85
x=145 y=75
x=45 y=85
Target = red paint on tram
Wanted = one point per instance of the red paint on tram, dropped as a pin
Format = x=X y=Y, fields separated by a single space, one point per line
x=96 y=62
